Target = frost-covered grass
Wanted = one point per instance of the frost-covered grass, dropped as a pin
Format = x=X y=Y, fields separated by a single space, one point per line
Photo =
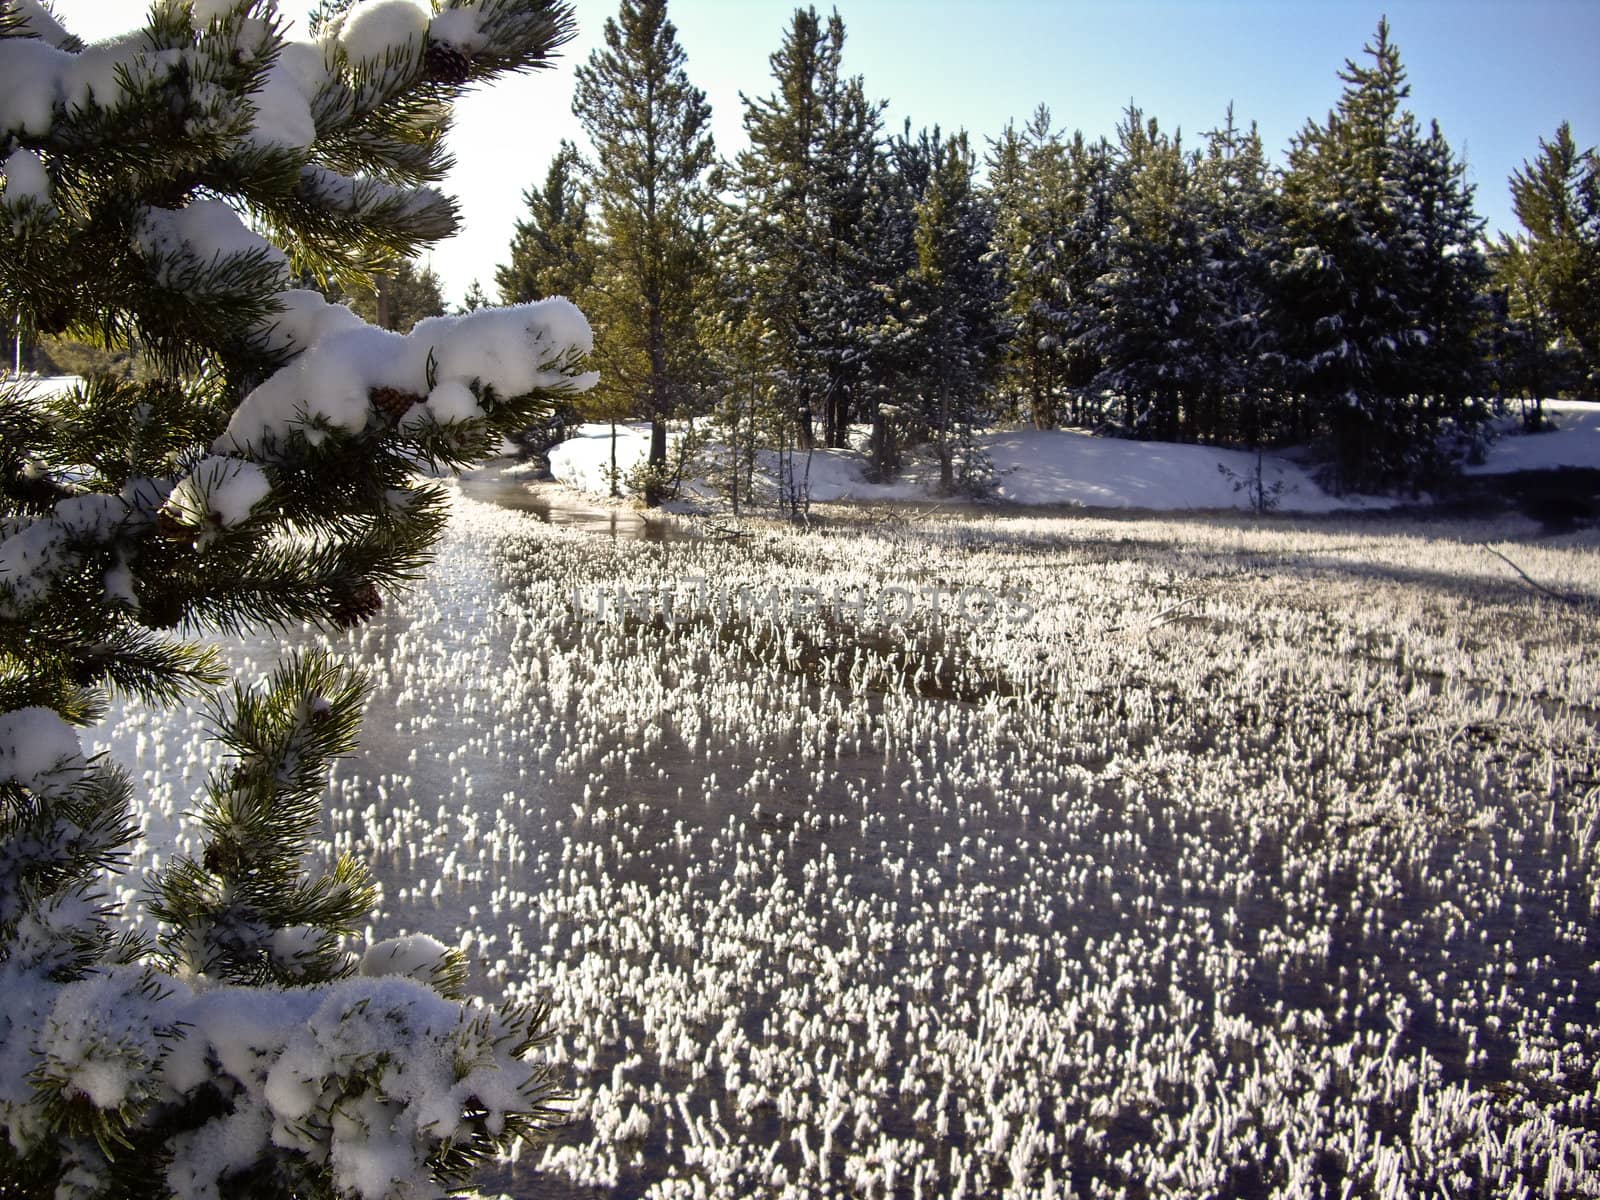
x=1260 y=861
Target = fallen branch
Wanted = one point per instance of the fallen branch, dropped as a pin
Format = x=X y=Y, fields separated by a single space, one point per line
x=717 y=532
x=1165 y=617
x=1564 y=597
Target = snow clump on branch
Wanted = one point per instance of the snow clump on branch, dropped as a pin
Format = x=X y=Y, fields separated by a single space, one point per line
x=507 y=351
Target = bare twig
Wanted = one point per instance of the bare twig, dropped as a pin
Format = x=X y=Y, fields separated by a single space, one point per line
x=1164 y=617
x=720 y=532
x=1564 y=597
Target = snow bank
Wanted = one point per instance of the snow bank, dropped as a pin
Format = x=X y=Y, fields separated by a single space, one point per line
x=1066 y=466
x=41 y=385
x=1032 y=467
x=1574 y=442
x=583 y=462
x=1074 y=467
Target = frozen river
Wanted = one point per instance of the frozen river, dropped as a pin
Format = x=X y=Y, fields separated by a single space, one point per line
x=1255 y=859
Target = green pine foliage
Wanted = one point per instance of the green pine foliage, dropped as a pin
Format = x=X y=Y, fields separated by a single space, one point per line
x=262 y=472
x=551 y=252
x=743 y=404
x=948 y=325
x=1156 y=315
x=1378 y=294
x=1181 y=333
x=652 y=182
x=400 y=297
x=1550 y=272
x=1032 y=185
x=1055 y=201
x=805 y=192
x=474 y=299
x=1242 y=398
x=1152 y=287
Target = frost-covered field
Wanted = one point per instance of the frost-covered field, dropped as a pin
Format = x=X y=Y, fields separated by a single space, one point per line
x=1259 y=858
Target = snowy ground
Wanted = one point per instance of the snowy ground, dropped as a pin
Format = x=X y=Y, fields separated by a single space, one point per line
x=41 y=384
x=1073 y=467
x=1226 y=856
x=1574 y=442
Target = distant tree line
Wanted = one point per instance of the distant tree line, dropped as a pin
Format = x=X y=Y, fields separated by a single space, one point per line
x=834 y=275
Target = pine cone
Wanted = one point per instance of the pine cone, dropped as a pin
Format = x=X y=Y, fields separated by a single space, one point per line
x=356 y=607
x=446 y=64
x=392 y=402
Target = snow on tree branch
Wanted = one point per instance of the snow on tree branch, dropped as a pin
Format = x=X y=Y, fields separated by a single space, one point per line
x=167 y=188
x=511 y=351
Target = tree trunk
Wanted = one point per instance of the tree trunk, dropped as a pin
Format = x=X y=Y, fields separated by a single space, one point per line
x=805 y=436
x=733 y=454
x=838 y=415
x=616 y=492
x=659 y=403
x=655 y=486
x=947 y=478
x=385 y=303
x=1043 y=403
x=885 y=446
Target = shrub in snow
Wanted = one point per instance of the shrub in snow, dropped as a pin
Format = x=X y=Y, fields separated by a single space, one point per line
x=167 y=187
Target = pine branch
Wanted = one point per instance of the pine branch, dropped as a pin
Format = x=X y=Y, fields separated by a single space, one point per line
x=269 y=477
x=245 y=911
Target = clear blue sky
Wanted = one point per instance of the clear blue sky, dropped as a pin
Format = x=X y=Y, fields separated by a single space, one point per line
x=1498 y=75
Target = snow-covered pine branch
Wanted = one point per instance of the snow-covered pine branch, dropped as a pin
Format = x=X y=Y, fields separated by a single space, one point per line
x=170 y=187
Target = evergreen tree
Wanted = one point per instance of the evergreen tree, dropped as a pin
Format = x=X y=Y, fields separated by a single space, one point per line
x=1085 y=249
x=266 y=475
x=896 y=410
x=1376 y=291
x=776 y=183
x=1156 y=311
x=1449 y=276
x=847 y=296
x=1529 y=359
x=948 y=325
x=650 y=129
x=61 y=355
x=473 y=300
x=1030 y=180
x=1550 y=272
x=805 y=186
x=399 y=298
x=551 y=252
x=1240 y=231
